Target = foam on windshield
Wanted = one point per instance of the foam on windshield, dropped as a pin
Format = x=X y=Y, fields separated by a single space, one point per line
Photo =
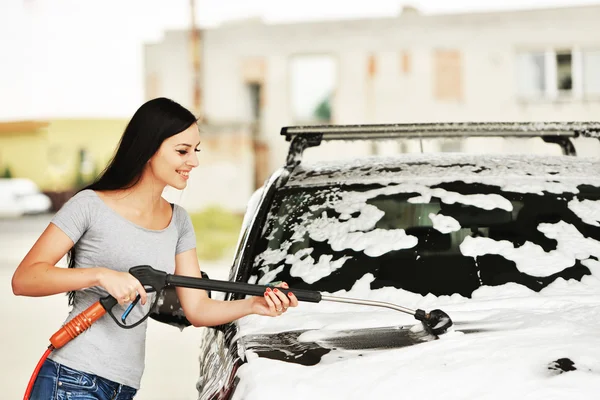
x=587 y=210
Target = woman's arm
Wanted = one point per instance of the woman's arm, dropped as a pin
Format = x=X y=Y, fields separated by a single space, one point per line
x=37 y=275
x=200 y=310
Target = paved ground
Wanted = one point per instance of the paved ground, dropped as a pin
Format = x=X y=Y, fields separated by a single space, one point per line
x=171 y=355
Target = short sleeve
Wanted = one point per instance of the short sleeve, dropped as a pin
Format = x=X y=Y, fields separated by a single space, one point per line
x=74 y=217
x=187 y=236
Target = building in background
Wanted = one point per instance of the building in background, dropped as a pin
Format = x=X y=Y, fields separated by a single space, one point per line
x=502 y=66
x=58 y=155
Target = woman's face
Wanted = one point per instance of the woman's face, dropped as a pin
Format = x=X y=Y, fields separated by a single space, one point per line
x=176 y=157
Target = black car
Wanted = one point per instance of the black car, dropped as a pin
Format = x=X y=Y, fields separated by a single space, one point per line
x=508 y=245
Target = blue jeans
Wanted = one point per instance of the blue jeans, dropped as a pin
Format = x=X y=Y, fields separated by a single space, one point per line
x=58 y=382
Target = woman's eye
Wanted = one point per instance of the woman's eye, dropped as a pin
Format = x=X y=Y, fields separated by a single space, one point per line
x=182 y=152
x=197 y=150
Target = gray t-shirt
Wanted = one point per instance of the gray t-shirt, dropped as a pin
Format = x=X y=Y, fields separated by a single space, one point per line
x=103 y=238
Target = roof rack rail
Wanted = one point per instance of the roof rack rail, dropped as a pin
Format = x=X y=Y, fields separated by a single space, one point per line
x=302 y=137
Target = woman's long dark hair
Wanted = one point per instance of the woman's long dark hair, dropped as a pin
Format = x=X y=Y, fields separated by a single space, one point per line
x=155 y=121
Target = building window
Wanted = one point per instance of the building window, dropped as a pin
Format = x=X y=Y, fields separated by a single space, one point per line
x=591 y=72
x=405 y=62
x=313 y=82
x=255 y=100
x=531 y=74
x=564 y=71
x=372 y=66
x=254 y=75
x=448 y=83
x=558 y=73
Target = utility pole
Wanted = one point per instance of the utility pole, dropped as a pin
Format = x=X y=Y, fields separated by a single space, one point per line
x=196 y=63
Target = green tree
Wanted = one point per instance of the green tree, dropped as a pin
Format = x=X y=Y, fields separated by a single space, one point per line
x=7 y=172
x=323 y=110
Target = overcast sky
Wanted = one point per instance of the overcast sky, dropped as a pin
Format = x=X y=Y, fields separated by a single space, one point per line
x=83 y=58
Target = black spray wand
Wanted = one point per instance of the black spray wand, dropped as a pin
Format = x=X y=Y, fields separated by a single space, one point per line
x=435 y=322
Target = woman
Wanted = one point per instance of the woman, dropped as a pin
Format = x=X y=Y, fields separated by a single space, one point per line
x=118 y=222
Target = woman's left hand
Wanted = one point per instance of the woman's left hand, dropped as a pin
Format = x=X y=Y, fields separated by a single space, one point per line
x=274 y=302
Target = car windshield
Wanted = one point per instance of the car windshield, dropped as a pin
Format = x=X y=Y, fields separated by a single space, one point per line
x=456 y=238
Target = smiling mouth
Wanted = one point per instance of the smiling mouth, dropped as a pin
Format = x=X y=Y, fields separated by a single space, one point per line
x=184 y=173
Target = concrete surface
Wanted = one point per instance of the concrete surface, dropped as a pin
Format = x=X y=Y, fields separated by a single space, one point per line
x=171 y=355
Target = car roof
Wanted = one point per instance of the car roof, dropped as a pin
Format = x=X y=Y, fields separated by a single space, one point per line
x=446 y=167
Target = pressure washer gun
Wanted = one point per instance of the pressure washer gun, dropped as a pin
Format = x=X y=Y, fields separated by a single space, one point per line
x=435 y=322
x=155 y=281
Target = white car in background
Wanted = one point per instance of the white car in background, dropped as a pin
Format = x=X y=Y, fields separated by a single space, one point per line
x=20 y=196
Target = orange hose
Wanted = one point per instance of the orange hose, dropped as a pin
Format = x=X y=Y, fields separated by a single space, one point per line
x=77 y=325
x=64 y=335
x=36 y=372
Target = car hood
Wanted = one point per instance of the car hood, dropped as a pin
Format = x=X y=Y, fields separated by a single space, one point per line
x=524 y=346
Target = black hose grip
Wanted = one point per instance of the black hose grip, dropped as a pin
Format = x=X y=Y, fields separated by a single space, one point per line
x=420 y=315
x=108 y=302
x=149 y=276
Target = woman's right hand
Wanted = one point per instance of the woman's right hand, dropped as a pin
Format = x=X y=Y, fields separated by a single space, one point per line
x=123 y=286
